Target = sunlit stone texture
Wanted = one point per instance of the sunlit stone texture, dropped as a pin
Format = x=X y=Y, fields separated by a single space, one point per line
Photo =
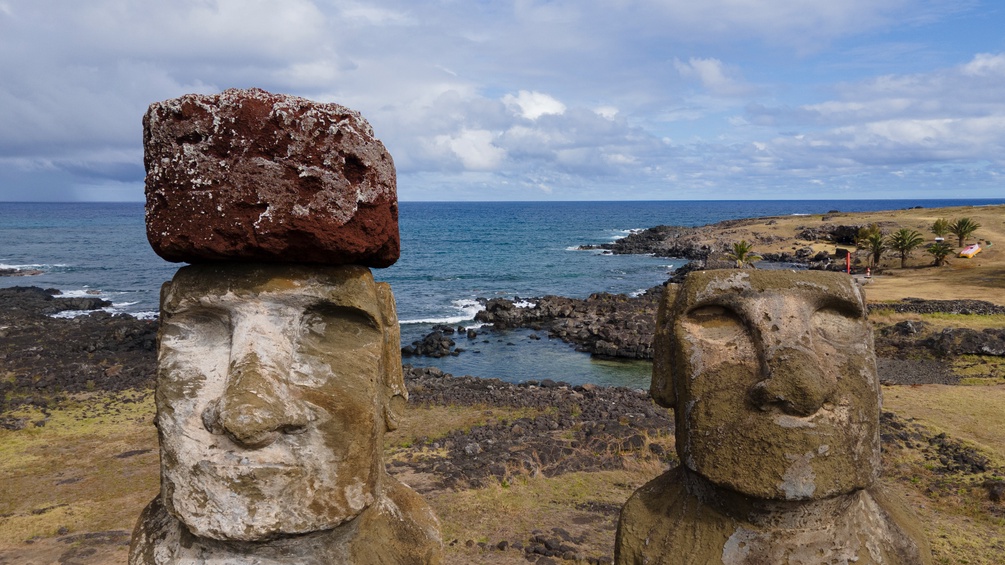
x=246 y=175
x=772 y=378
x=275 y=386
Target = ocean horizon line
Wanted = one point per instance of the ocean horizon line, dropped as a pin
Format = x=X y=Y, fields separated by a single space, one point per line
x=833 y=199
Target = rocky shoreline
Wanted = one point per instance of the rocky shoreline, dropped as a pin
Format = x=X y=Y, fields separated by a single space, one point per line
x=44 y=357
x=605 y=325
x=608 y=325
x=708 y=245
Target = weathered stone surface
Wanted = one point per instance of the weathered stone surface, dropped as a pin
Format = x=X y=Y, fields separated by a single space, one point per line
x=251 y=176
x=275 y=386
x=772 y=377
x=672 y=520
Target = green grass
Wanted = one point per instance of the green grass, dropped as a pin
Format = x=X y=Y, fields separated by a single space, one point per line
x=71 y=474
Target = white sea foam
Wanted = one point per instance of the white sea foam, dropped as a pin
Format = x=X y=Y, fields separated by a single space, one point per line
x=621 y=234
x=466 y=307
x=594 y=251
x=69 y=314
x=115 y=308
x=33 y=266
x=525 y=304
x=81 y=293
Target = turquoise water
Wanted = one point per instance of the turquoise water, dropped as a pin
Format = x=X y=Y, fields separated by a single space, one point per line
x=452 y=254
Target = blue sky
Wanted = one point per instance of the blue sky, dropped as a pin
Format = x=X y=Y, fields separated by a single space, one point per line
x=535 y=99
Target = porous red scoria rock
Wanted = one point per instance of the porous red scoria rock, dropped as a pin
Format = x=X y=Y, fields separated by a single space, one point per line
x=247 y=175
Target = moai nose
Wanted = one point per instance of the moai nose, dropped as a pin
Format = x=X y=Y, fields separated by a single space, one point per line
x=796 y=382
x=257 y=406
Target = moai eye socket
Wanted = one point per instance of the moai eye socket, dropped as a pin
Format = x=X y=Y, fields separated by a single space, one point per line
x=715 y=323
x=341 y=326
x=837 y=326
x=206 y=326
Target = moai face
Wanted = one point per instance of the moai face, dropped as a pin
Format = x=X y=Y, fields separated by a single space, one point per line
x=772 y=376
x=274 y=389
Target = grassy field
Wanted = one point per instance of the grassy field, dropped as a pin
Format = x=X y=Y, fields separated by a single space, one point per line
x=48 y=507
x=982 y=277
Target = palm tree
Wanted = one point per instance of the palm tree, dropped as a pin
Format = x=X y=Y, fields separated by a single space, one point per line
x=904 y=241
x=864 y=233
x=940 y=227
x=940 y=251
x=875 y=243
x=743 y=253
x=871 y=239
x=963 y=228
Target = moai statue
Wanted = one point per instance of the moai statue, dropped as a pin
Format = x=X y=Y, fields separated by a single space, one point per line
x=279 y=361
x=772 y=378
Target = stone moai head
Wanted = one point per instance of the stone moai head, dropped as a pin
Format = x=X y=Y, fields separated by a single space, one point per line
x=772 y=377
x=279 y=361
x=275 y=386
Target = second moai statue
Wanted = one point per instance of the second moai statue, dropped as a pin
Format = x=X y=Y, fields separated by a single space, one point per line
x=279 y=362
x=772 y=378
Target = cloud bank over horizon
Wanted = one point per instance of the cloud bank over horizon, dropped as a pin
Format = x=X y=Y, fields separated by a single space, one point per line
x=535 y=99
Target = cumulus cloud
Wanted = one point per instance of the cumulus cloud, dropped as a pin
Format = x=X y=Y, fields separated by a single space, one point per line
x=985 y=65
x=713 y=75
x=533 y=105
x=804 y=24
x=474 y=148
x=945 y=115
x=507 y=100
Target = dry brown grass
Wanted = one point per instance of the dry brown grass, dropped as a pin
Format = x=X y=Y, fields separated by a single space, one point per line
x=970 y=413
x=432 y=422
x=80 y=472
x=963 y=524
x=66 y=475
x=523 y=505
x=982 y=277
x=939 y=321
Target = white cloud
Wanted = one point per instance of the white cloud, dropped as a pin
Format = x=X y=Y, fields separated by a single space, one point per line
x=533 y=105
x=805 y=24
x=713 y=75
x=369 y=14
x=986 y=64
x=621 y=159
x=608 y=112
x=474 y=148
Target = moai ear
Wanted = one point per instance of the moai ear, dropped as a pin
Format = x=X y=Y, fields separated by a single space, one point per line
x=661 y=388
x=396 y=395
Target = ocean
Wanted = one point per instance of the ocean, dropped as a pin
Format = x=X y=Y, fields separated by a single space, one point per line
x=452 y=255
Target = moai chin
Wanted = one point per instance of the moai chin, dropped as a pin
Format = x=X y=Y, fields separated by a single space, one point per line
x=772 y=378
x=278 y=370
